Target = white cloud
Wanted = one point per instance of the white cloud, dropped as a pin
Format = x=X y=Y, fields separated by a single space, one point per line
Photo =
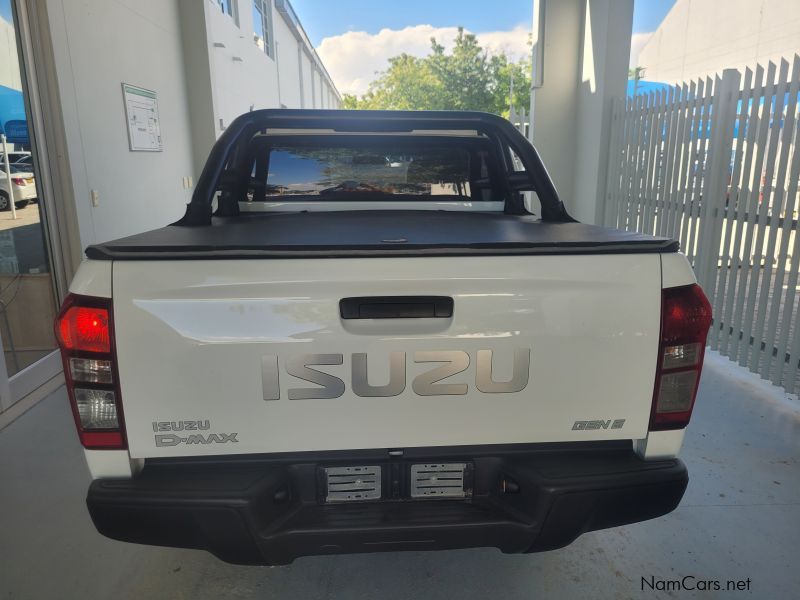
x=638 y=40
x=353 y=58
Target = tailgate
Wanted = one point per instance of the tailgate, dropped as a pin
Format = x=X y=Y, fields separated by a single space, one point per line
x=222 y=356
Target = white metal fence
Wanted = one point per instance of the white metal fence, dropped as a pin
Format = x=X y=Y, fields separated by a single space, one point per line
x=519 y=118
x=714 y=163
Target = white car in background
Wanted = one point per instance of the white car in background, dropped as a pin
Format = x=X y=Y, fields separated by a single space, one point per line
x=23 y=183
x=16 y=156
x=21 y=159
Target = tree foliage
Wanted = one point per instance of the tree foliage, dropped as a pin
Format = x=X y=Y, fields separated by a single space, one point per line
x=467 y=78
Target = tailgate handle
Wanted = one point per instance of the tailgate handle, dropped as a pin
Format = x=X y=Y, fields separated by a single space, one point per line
x=396 y=307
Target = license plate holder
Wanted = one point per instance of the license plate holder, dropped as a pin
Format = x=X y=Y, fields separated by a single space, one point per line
x=352 y=483
x=440 y=480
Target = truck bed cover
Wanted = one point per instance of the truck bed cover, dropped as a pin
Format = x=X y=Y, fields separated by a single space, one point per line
x=375 y=233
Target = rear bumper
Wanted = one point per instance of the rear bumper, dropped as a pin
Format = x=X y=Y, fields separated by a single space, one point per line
x=268 y=510
x=26 y=192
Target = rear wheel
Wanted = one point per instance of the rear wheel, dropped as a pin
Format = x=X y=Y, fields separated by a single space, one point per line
x=4 y=203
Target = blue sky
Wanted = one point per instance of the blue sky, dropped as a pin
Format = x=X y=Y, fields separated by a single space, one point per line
x=321 y=21
x=5 y=10
x=326 y=18
x=355 y=38
x=648 y=14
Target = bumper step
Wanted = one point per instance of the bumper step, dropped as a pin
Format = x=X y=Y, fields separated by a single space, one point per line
x=271 y=511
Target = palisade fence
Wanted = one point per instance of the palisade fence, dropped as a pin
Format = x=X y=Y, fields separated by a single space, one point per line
x=519 y=118
x=715 y=165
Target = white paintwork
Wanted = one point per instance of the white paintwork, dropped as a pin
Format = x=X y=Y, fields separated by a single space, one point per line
x=296 y=206
x=232 y=312
x=659 y=444
x=676 y=271
x=191 y=334
x=111 y=463
x=93 y=279
x=21 y=192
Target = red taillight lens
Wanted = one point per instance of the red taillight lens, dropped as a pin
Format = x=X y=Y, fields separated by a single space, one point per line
x=18 y=181
x=685 y=320
x=84 y=329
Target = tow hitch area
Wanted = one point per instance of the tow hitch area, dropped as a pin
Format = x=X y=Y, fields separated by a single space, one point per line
x=274 y=509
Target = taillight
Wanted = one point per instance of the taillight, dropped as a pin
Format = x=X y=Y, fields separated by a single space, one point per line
x=685 y=320
x=85 y=333
x=18 y=181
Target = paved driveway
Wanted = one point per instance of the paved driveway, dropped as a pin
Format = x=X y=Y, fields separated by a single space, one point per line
x=740 y=519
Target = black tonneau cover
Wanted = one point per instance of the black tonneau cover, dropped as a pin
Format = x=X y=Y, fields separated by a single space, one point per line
x=332 y=234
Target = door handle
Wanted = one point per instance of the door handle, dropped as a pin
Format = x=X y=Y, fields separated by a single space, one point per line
x=396 y=307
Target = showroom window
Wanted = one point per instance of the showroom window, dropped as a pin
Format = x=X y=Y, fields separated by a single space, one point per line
x=262 y=26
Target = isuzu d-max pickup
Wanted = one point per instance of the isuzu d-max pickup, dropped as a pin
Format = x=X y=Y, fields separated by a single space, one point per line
x=379 y=331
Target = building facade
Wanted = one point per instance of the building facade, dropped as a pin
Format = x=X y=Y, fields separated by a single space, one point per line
x=120 y=102
x=207 y=61
x=699 y=38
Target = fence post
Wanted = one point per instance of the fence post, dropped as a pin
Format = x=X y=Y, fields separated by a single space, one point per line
x=715 y=179
x=610 y=207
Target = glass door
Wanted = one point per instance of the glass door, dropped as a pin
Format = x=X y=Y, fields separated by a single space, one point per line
x=28 y=298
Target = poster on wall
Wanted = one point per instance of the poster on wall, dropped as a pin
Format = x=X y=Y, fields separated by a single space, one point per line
x=141 y=112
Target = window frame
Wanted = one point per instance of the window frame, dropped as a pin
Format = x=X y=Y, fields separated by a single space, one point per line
x=481 y=189
x=264 y=8
x=233 y=9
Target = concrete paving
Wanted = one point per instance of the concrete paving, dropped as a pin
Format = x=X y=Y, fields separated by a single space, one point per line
x=739 y=520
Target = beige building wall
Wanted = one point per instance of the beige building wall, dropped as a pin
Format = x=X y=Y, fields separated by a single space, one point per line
x=702 y=37
x=206 y=70
x=9 y=69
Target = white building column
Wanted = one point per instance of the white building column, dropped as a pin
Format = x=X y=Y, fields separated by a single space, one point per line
x=586 y=53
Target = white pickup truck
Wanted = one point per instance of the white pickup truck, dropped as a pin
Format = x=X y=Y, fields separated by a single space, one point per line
x=379 y=331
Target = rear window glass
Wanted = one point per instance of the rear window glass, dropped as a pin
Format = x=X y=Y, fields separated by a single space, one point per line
x=374 y=171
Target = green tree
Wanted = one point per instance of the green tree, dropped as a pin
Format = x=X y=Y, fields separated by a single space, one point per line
x=467 y=78
x=504 y=73
x=350 y=101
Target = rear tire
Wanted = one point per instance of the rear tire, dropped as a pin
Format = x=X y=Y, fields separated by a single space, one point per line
x=4 y=203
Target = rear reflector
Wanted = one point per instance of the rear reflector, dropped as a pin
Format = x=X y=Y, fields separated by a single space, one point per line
x=97 y=409
x=85 y=333
x=685 y=320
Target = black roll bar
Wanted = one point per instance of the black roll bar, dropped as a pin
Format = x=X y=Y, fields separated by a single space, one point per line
x=243 y=128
